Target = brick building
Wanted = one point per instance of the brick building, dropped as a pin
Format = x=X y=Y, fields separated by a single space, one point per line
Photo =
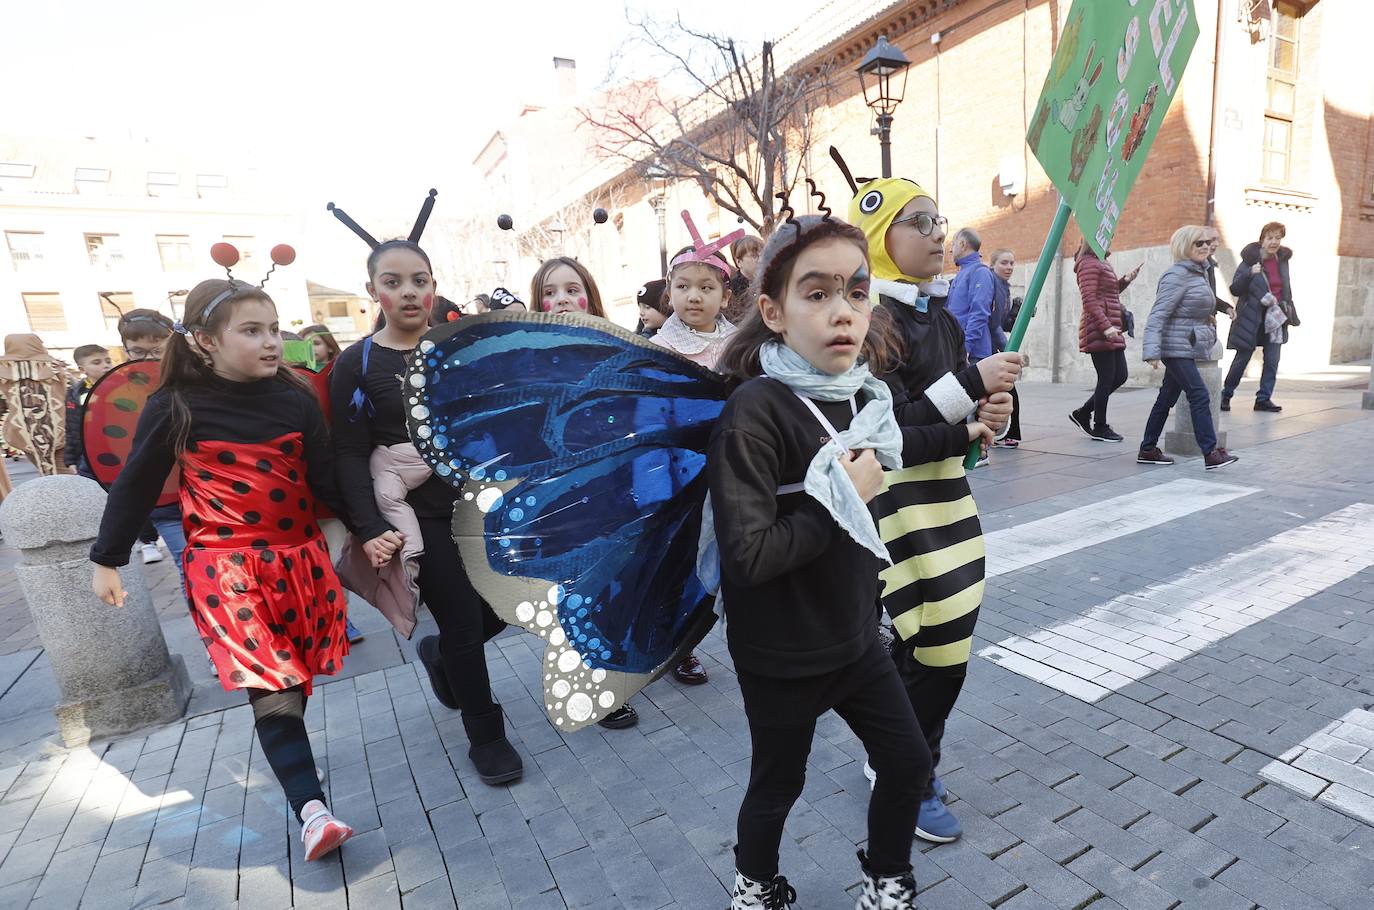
x=1274 y=115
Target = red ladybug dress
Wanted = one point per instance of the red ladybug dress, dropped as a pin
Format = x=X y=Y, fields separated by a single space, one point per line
x=262 y=590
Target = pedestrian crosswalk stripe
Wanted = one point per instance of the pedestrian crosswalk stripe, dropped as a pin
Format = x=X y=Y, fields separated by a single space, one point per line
x=1133 y=635
x=1104 y=520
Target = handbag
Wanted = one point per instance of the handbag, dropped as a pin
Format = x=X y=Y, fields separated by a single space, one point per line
x=1128 y=321
x=1290 y=310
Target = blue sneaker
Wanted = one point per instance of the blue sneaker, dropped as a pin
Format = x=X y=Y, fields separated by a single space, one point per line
x=936 y=823
x=939 y=787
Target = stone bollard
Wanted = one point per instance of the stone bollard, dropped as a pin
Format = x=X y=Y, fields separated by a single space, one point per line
x=1180 y=440
x=113 y=671
x=1368 y=402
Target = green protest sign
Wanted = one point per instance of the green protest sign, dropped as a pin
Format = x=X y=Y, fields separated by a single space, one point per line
x=1118 y=66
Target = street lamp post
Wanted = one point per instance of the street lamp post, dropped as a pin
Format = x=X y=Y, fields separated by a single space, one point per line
x=657 y=179
x=882 y=76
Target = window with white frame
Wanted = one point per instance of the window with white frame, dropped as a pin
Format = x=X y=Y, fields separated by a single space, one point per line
x=175 y=252
x=45 y=312
x=1280 y=106
x=26 y=249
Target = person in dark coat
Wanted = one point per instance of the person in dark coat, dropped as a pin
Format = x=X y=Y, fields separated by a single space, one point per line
x=1102 y=336
x=1181 y=330
x=1264 y=310
x=1003 y=265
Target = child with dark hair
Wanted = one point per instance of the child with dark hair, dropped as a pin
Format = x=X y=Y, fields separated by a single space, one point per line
x=369 y=414
x=254 y=453
x=144 y=334
x=654 y=307
x=793 y=465
x=930 y=524
x=93 y=361
x=744 y=253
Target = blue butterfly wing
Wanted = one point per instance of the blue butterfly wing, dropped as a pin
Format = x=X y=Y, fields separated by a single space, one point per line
x=581 y=451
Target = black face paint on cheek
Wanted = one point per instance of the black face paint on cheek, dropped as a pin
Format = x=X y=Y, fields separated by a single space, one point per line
x=860 y=279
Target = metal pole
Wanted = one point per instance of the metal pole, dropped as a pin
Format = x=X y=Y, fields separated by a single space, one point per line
x=885 y=141
x=1042 y=270
x=661 y=207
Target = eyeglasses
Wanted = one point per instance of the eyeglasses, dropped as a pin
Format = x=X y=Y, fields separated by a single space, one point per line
x=1202 y=243
x=924 y=222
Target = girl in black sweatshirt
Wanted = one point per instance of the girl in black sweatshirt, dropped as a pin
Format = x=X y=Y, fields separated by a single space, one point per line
x=793 y=462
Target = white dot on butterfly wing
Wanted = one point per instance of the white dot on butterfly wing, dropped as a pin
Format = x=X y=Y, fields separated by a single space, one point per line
x=606 y=699
x=579 y=706
x=568 y=660
x=561 y=689
x=524 y=611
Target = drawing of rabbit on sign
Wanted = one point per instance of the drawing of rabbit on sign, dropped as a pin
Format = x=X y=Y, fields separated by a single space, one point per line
x=1067 y=112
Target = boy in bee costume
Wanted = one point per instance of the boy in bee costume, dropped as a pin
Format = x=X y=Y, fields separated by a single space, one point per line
x=928 y=519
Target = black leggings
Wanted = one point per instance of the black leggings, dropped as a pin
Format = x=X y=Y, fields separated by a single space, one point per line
x=878 y=712
x=464 y=619
x=933 y=692
x=1111 y=375
x=280 y=721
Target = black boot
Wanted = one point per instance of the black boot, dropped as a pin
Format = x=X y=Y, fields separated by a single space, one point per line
x=427 y=649
x=495 y=758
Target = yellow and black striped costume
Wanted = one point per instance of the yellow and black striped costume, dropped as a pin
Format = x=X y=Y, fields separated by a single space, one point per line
x=927 y=515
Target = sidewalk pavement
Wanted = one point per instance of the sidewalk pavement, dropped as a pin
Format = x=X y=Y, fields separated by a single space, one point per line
x=1171 y=707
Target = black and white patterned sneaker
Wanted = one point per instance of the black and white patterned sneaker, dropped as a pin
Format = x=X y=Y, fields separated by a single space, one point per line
x=750 y=894
x=885 y=892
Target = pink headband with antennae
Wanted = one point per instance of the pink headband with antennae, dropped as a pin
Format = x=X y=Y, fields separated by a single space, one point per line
x=705 y=253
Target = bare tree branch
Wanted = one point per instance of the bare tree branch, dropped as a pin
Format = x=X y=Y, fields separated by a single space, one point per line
x=743 y=132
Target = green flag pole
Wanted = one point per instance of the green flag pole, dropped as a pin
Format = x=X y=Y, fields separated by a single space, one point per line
x=1037 y=282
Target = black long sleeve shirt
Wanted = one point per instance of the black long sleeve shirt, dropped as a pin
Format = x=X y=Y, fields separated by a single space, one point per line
x=221 y=410
x=933 y=345
x=356 y=434
x=801 y=595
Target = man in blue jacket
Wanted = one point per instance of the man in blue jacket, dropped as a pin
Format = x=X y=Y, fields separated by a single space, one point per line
x=971 y=295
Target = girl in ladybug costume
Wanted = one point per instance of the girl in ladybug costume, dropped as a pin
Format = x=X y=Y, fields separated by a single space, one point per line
x=253 y=449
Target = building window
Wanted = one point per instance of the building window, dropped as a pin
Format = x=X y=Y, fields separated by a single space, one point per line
x=175 y=252
x=105 y=251
x=16 y=170
x=113 y=305
x=93 y=180
x=209 y=186
x=162 y=183
x=45 y=313
x=26 y=249
x=338 y=309
x=1281 y=103
x=244 y=244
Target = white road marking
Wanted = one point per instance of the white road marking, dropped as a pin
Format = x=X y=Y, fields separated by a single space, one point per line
x=1131 y=636
x=1333 y=766
x=1048 y=538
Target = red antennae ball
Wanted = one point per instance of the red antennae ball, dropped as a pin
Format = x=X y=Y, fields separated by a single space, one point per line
x=283 y=254
x=225 y=255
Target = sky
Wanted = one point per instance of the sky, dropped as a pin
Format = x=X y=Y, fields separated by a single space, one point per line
x=365 y=101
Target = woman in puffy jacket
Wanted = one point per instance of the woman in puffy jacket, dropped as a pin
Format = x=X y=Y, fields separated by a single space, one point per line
x=1102 y=336
x=1180 y=331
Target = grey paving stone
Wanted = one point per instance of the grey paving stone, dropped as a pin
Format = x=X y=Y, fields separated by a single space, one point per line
x=1269 y=892
x=1116 y=809
x=1188 y=884
x=381 y=891
x=1117 y=843
x=1127 y=888
x=989 y=881
x=1057 y=886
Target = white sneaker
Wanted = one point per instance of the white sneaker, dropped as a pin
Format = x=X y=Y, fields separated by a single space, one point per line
x=321 y=832
x=151 y=553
